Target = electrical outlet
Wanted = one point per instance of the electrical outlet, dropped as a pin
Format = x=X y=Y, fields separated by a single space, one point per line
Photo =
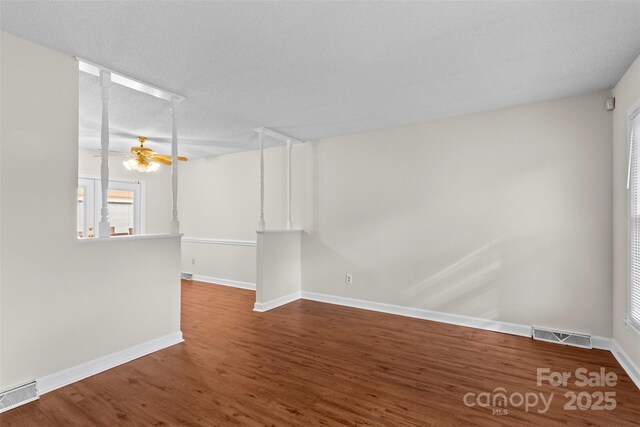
x=193 y=261
x=348 y=279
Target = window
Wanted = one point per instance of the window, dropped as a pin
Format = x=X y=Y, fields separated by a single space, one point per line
x=121 y=212
x=634 y=218
x=125 y=207
x=81 y=211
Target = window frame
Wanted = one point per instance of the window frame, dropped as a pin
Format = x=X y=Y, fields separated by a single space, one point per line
x=632 y=113
x=120 y=184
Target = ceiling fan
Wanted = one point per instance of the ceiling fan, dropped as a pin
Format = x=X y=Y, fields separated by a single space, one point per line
x=144 y=159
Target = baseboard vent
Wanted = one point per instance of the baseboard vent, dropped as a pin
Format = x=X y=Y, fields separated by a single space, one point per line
x=18 y=396
x=559 y=337
x=187 y=276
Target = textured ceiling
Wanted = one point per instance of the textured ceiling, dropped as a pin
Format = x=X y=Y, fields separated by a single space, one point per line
x=319 y=69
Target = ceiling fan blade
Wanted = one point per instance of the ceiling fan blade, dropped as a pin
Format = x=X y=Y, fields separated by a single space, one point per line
x=164 y=156
x=114 y=154
x=160 y=160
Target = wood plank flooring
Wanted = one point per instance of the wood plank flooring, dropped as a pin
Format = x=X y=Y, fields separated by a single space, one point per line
x=309 y=363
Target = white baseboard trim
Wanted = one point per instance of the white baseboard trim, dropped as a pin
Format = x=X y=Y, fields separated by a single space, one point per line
x=65 y=377
x=601 y=343
x=79 y=372
x=210 y=241
x=224 y=282
x=277 y=302
x=454 y=319
x=626 y=362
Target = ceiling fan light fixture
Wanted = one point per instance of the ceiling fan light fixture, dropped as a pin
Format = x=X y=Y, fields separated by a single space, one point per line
x=136 y=165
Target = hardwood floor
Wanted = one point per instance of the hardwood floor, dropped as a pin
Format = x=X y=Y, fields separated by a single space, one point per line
x=309 y=363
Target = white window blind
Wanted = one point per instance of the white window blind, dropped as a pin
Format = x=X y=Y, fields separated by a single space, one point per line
x=634 y=219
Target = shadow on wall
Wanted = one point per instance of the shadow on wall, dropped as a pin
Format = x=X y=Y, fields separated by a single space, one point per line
x=502 y=215
x=468 y=285
x=387 y=268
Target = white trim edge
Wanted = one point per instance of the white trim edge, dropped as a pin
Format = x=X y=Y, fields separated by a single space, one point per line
x=79 y=372
x=277 y=231
x=76 y=373
x=630 y=326
x=600 y=343
x=224 y=282
x=277 y=302
x=277 y=135
x=124 y=80
x=634 y=109
x=211 y=241
x=129 y=238
x=454 y=319
x=626 y=362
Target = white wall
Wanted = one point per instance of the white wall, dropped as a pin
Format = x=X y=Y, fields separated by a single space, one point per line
x=501 y=215
x=279 y=267
x=63 y=302
x=157 y=187
x=219 y=198
x=627 y=92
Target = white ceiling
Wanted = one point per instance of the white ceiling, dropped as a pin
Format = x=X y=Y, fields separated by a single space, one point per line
x=319 y=69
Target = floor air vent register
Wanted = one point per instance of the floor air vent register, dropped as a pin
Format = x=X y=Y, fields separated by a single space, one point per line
x=559 y=337
x=18 y=396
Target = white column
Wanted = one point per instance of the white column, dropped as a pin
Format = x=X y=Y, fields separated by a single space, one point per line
x=175 y=224
x=104 y=227
x=289 y=223
x=261 y=224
